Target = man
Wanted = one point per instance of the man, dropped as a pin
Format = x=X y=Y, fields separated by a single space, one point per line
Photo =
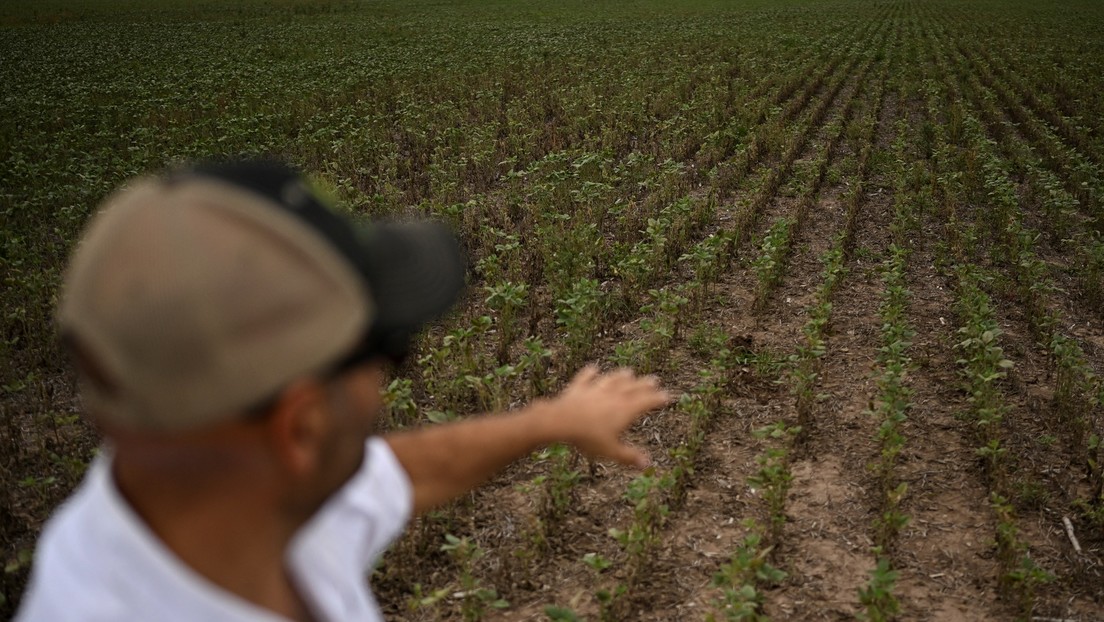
x=232 y=336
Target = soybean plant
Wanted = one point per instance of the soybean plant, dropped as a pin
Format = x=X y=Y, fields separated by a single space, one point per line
x=877 y=595
x=398 y=402
x=476 y=597
x=983 y=365
x=558 y=486
x=1020 y=575
x=1093 y=507
x=892 y=401
x=631 y=354
x=492 y=390
x=702 y=259
x=747 y=570
x=770 y=264
x=561 y=614
x=534 y=364
x=805 y=363
x=608 y=598
x=774 y=477
x=446 y=369
x=1075 y=392
x=579 y=313
x=662 y=328
x=507 y=298
x=648 y=495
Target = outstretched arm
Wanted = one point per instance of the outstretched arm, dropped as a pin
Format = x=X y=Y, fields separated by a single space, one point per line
x=448 y=460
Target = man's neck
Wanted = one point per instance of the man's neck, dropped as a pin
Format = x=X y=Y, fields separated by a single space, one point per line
x=232 y=541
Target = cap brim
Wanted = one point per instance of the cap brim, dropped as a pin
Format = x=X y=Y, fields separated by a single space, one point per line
x=415 y=272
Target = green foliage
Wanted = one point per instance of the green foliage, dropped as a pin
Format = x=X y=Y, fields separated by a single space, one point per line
x=579 y=314
x=892 y=400
x=559 y=484
x=507 y=298
x=983 y=366
x=597 y=158
x=608 y=598
x=398 y=401
x=661 y=327
x=773 y=478
x=476 y=598
x=877 y=596
x=561 y=614
x=740 y=579
x=749 y=565
x=805 y=362
x=770 y=263
x=647 y=493
x=534 y=364
x=1020 y=575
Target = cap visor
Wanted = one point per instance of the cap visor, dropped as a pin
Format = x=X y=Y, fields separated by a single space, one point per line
x=415 y=272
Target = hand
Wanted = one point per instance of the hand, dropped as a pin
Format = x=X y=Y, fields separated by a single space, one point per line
x=596 y=408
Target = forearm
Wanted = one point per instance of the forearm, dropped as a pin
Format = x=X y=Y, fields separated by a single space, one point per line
x=591 y=414
x=445 y=461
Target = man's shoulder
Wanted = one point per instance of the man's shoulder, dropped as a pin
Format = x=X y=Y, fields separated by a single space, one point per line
x=355 y=526
x=65 y=601
x=72 y=570
x=69 y=540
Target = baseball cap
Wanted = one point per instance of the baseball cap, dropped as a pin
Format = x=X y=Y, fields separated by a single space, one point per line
x=194 y=295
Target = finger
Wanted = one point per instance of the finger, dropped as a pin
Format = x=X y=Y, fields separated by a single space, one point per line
x=654 y=399
x=647 y=391
x=641 y=386
x=630 y=456
x=636 y=409
x=640 y=381
x=585 y=375
x=617 y=379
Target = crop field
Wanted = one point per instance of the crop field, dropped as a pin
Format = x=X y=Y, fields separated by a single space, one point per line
x=862 y=241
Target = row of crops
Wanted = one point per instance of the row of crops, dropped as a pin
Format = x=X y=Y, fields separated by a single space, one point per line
x=862 y=241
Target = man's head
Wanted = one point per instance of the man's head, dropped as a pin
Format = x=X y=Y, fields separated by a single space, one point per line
x=217 y=297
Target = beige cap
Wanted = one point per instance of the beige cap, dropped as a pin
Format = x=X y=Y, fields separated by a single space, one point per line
x=198 y=295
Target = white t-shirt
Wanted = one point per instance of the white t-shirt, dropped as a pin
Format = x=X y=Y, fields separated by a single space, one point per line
x=97 y=561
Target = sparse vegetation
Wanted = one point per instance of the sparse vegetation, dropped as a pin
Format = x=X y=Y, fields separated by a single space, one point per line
x=832 y=225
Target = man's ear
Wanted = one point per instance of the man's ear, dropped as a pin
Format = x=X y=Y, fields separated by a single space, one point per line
x=298 y=426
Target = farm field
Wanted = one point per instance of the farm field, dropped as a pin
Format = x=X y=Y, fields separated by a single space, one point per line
x=862 y=241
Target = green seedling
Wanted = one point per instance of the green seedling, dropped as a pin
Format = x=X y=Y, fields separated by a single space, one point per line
x=877 y=595
x=476 y=598
x=507 y=299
